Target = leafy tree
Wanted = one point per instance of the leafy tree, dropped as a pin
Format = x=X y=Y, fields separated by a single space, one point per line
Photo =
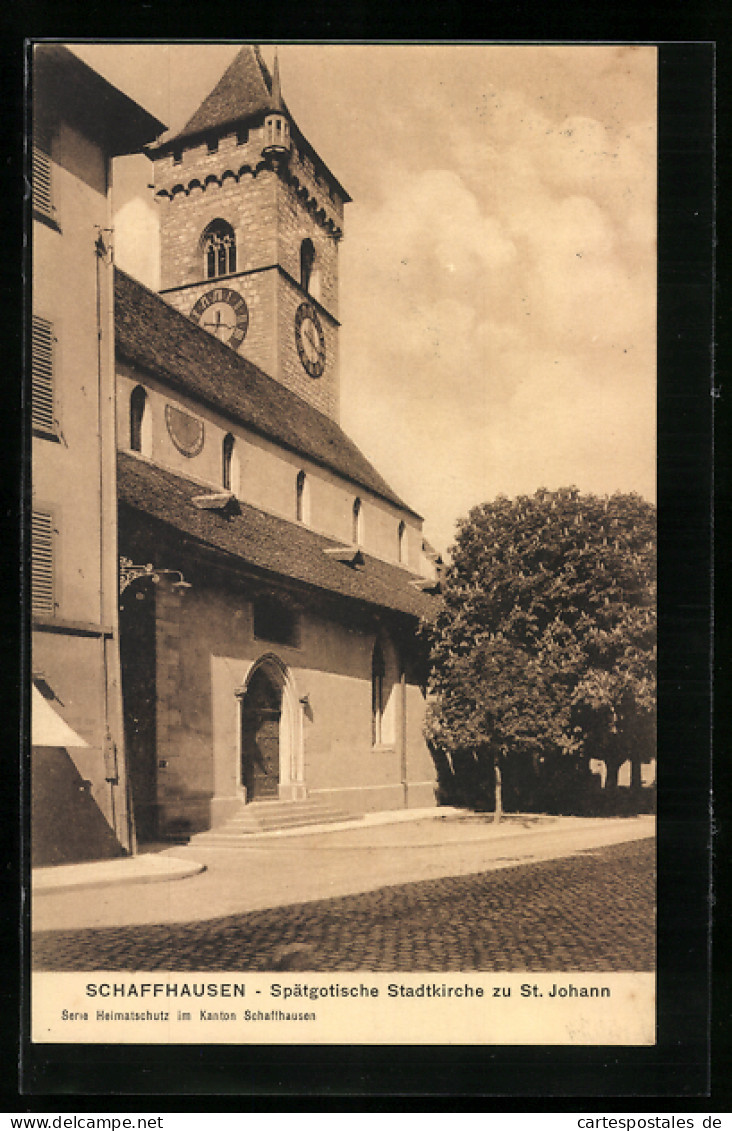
x=543 y=651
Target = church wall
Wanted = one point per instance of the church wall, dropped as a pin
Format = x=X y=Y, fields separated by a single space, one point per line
x=268 y=475
x=205 y=648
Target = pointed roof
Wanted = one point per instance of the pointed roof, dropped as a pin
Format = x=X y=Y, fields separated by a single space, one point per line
x=244 y=91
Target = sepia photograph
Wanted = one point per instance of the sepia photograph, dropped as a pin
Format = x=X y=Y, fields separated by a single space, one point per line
x=343 y=381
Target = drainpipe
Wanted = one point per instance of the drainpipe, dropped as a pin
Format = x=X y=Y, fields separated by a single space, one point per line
x=115 y=761
x=403 y=735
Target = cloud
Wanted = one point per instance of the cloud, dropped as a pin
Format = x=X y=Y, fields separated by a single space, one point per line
x=137 y=241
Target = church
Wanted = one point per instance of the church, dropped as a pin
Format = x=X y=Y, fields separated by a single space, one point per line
x=271 y=581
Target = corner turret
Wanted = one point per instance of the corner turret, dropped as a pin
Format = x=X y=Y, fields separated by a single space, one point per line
x=277 y=143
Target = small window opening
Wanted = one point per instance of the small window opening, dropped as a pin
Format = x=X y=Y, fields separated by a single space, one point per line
x=401 y=542
x=307 y=262
x=231 y=476
x=357 y=523
x=378 y=677
x=302 y=498
x=140 y=422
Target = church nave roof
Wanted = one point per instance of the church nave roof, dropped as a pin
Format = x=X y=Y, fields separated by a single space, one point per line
x=152 y=334
x=265 y=542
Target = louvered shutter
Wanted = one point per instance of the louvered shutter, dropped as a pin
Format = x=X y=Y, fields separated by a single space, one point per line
x=41 y=175
x=42 y=603
x=42 y=374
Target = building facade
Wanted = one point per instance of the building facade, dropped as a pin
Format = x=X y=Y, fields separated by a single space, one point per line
x=79 y=793
x=274 y=580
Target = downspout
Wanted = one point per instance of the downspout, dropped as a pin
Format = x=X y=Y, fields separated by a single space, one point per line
x=403 y=735
x=115 y=761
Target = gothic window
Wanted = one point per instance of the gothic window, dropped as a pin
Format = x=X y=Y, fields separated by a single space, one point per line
x=307 y=259
x=140 y=422
x=302 y=504
x=309 y=274
x=357 y=523
x=383 y=680
x=219 y=249
x=230 y=472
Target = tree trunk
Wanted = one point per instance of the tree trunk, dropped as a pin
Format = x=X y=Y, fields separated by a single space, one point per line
x=612 y=769
x=636 y=781
x=498 y=807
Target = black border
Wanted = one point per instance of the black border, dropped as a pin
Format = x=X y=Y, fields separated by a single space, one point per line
x=679 y=1066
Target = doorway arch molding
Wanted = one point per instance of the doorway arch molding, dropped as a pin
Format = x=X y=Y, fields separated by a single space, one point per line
x=291 y=736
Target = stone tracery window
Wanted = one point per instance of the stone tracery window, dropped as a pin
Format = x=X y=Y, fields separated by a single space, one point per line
x=219 y=249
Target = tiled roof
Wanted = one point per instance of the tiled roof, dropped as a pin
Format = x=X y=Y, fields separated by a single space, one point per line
x=265 y=542
x=152 y=334
x=242 y=92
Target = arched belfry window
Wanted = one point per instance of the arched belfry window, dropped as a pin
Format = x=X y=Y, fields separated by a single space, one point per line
x=307 y=263
x=302 y=498
x=218 y=244
x=230 y=477
x=140 y=422
x=357 y=523
x=309 y=269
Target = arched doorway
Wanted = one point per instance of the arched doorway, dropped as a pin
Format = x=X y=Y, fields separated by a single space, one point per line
x=271 y=752
x=261 y=711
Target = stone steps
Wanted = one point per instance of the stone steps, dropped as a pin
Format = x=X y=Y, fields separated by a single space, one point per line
x=272 y=816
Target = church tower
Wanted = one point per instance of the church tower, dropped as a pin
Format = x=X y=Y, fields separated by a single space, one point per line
x=251 y=219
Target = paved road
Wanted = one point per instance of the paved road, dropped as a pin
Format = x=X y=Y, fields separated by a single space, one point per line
x=593 y=911
x=276 y=871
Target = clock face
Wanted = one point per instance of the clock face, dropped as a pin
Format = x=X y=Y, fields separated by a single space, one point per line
x=310 y=339
x=224 y=314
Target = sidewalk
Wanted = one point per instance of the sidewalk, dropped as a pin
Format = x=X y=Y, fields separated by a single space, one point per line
x=276 y=869
x=146 y=868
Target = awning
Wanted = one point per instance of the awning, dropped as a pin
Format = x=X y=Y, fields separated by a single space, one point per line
x=48 y=728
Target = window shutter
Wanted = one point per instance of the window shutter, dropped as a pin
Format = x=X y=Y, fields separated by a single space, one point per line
x=41 y=176
x=42 y=374
x=42 y=602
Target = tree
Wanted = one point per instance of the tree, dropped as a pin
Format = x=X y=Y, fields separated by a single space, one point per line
x=543 y=651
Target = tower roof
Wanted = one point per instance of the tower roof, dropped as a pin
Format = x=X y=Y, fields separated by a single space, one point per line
x=244 y=91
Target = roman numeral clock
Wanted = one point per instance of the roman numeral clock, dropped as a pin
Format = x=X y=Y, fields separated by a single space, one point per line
x=310 y=339
x=224 y=314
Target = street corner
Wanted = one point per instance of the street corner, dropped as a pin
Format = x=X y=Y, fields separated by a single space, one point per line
x=144 y=869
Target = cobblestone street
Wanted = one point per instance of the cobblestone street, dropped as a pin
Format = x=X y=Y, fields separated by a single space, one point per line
x=592 y=912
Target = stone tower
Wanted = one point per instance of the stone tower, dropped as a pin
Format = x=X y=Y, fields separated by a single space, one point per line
x=251 y=219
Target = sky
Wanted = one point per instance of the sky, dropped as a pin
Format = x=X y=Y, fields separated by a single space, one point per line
x=498 y=271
